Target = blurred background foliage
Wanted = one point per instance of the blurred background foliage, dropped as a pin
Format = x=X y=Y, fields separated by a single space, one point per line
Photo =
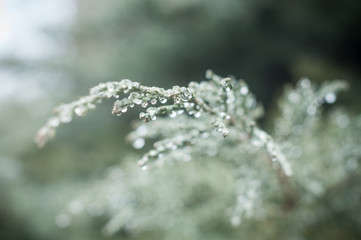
x=160 y=42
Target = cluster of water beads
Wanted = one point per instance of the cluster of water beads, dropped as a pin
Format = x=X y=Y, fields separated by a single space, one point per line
x=168 y=146
x=221 y=127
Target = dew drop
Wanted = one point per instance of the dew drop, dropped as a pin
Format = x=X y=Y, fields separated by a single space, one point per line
x=173 y=114
x=136 y=84
x=330 y=97
x=311 y=110
x=142 y=130
x=66 y=118
x=152 y=111
x=80 y=110
x=162 y=100
x=153 y=101
x=197 y=114
x=144 y=104
x=124 y=109
x=145 y=168
x=136 y=98
x=177 y=100
x=251 y=103
x=138 y=143
x=54 y=122
x=305 y=83
x=111 y=88
x=209 y=74
x=168 y=93
x=205 y=135
x=244 y=90
x=152 y=153
x=293 y=97
x=141 y=115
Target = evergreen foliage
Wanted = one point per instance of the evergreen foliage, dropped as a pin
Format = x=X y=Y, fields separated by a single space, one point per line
x=259 y=178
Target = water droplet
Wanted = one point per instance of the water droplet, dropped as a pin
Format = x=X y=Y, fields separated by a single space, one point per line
x=152 y=111
x=311 y=110
x=90 y=106
x=305 y=83
x=152 y=153
x=53 y=122
x=257 y=143
x=168 y=93
x=160 y=148
x=330 y=97
x=162 y=100
x=293 y=97
x=142 y=161
x=225 y=132
x=111 y=88
x=244 y=90
x=62 y=221
x=142 y=130
x=65 y=118
x=197 y=114
x=209 y=74
x=173 y=114
x=153 y=101
x=145 y=168
x=80 y=110
x=124 y=109
x=251 y=102
x=142 y=115
x=205 y=135
x=177 y=100
x=138 y=143
x=136 y=98
x=181 y=111
x=144 y=104
x=136 y=84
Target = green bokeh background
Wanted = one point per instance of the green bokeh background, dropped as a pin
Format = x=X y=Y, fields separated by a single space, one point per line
x=267 y=42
